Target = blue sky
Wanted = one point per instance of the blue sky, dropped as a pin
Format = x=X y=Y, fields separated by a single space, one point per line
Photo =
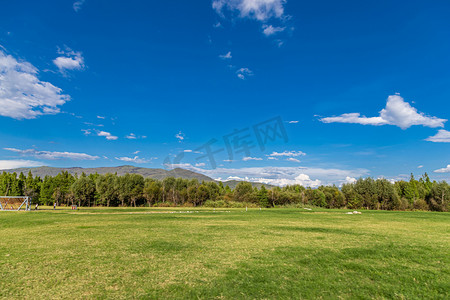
x=352 y=88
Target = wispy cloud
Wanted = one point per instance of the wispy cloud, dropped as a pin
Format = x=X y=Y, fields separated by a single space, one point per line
x=22 y=94
x=397 y=112
x=443 y=136
x=226 y=56
x=248 y=158
x=135 y=159
x=293 y=159
x=243 y=73
x=287 y=154
x=180 y=136
x=77 y=5
x=293 y=122
x=133 y=136
x=53 y=155
x=271 y=30
x=261 y=10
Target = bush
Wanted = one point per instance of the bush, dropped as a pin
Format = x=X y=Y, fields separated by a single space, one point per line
x=421 y=204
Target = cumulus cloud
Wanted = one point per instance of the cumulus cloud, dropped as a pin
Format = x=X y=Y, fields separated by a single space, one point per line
x=271 y=30
x=443 y=136
x=349 y=179
x=69 y=60
x=22 y=94
x=135 y=159
x=19 y=163
x=443 y=170
x=283 y=175
x=226 y=56
x=243 y=73
x=397 y=112
x=77 y=5
x=261 y=10
x=107 y=135
x=53 y=155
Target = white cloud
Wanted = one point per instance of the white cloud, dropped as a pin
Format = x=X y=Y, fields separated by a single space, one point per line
x=261 y=10
x=86 y=131
x=107 y=135
x=243 y=73
x=200 y=165
x=397 y=112
x=284 y=175
x=420 y=167
x=92 y=124
x=53 y=155
x=251 y=158
x=77 y=5
x=271 y=30
x=182 y=166
x=293 y=122
x=180 y=136
x=226 y=56
x=70 y=60
x=100 y=117
x=349 y=179
x=22 y=94
x=187 y=151
x=443 y=136
x=287 y=154
x=443 y=170
x=14 y=164
x=136 y=152
x=135 y=159
x=131 y=136
x=293 y=159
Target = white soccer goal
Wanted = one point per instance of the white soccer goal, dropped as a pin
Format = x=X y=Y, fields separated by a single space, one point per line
x=15 y=203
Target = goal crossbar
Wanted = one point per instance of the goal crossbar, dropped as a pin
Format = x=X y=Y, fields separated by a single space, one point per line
x=15 y=203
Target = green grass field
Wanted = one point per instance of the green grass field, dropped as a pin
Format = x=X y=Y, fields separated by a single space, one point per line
x=227 y=254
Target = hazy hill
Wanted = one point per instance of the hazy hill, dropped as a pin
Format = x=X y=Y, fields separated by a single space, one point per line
x=122 y=170
x=232 y=184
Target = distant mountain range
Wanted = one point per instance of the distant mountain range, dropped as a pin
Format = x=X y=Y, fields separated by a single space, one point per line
x=122 y=170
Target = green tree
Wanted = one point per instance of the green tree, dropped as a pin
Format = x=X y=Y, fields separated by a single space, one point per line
x=83 y=190
x=263 y=197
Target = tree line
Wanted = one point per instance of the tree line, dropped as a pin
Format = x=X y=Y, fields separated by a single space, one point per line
x=135 y=190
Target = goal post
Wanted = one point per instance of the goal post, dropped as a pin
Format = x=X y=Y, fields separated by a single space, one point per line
x=15 y=203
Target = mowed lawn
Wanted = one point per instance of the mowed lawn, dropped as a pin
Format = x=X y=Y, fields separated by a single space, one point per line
x=226 y=254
